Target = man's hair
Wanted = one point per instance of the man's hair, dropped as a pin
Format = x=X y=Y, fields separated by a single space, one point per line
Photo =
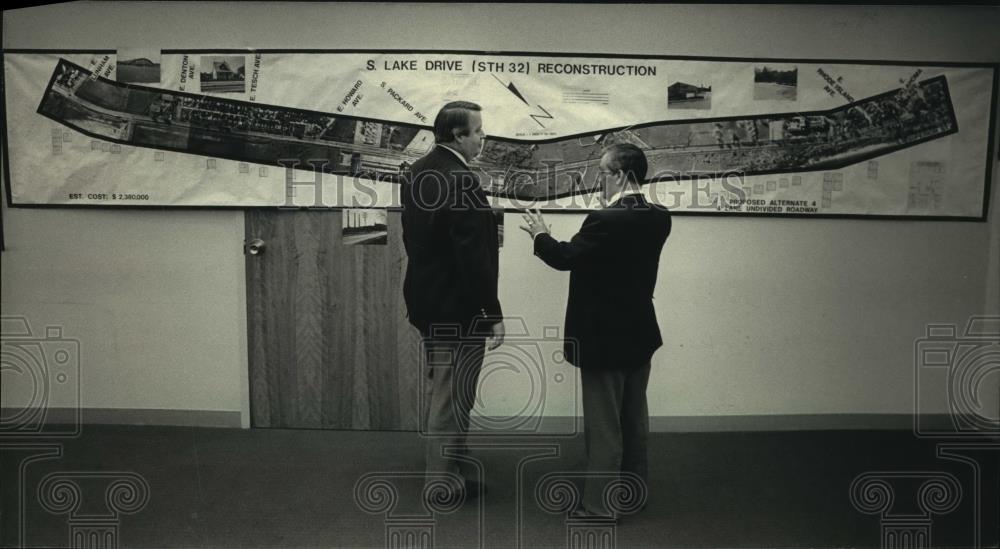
x=452 y=116
x=629 y=159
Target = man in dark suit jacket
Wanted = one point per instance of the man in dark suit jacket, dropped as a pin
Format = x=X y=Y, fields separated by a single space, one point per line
x=450 y=288
x=611 y=330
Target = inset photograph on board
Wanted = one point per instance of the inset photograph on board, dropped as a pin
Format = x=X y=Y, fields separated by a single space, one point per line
x=775 y=83
x=684 y=95
x=138 y=66
x=364 y=226
x=223 y=74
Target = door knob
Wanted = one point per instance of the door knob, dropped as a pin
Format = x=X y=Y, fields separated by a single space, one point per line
x=254 y=247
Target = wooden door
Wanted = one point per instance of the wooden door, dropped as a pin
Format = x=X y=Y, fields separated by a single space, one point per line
x=329 y=343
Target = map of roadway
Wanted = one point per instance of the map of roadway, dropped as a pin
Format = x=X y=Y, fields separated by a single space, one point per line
x=518 y=169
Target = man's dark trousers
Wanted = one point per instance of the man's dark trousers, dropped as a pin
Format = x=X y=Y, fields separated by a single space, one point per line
x=616 y=429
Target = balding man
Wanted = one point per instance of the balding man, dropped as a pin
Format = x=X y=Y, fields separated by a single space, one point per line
x=611 y=329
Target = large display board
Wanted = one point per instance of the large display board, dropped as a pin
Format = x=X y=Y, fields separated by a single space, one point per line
x=335 y=129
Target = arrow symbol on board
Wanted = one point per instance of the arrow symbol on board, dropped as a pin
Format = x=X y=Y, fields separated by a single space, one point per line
x=546 y=116
x=511 y=88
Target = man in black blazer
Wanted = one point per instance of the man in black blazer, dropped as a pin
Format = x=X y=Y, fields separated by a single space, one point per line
x=611 y=330
x=450 y=287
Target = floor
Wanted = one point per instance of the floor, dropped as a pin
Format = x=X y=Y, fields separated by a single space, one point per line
x=196 y=487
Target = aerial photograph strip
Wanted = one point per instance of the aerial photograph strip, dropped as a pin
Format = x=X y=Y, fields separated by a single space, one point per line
x=517 y=169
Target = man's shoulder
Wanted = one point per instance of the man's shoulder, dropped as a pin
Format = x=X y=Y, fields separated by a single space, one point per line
x=601 y=219
x=635 y=215
x=437 y=160
x=639 y=203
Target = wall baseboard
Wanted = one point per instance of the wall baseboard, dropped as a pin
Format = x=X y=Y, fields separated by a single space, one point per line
x=938 y=423
x=556 y=425
x=124 y=416
x=928 y=423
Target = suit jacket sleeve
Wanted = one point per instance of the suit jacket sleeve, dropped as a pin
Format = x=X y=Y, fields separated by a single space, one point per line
x=469 y=232
x=586 y=246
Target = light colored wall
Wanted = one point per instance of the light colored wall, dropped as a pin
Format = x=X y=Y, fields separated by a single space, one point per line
x=760 y=316
x=155 y=298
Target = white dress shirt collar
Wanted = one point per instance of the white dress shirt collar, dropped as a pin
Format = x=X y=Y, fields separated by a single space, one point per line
x=623 y=193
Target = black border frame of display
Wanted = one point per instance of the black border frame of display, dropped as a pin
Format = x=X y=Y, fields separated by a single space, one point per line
x=698 y=177
x=987 y=187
